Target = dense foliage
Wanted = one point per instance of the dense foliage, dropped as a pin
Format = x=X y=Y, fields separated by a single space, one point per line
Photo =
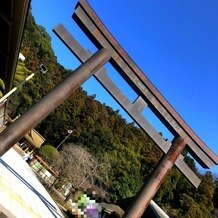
x=131 y=153
x=49 y=153
x=2 y=87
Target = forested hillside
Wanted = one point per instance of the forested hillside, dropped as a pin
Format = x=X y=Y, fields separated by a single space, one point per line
x=132 y=154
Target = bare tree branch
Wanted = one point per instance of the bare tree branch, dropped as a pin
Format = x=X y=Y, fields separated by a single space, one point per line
x=80 y=168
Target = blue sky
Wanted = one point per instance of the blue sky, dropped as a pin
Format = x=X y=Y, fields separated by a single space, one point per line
x=173 y=42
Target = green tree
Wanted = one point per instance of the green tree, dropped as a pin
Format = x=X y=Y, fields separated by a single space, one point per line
x=50 y=154
x=215 y=197
x=205 y=192
x=189 y=208
x=21 y=73
x=2 y=87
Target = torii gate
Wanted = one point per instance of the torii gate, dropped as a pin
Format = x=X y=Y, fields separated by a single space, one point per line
x=148 y=96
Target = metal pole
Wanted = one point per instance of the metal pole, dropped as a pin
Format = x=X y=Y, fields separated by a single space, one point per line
x=53 y=99
x=64 y=139
x=148 y=191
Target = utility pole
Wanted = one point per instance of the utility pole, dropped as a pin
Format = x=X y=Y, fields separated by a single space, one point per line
x=69 y=133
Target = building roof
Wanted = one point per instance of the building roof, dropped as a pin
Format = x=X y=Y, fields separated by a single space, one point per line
x=13 y=16
x=34 y=138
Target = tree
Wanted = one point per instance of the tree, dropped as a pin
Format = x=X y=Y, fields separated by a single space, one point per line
x=2 y=87
x=215 y=197
x=189 y=208
x=80 y=168
x=205 y=191
x=50 y=154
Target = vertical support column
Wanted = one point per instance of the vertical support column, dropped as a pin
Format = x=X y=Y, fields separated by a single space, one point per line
x=53 y=99
x=148 y=191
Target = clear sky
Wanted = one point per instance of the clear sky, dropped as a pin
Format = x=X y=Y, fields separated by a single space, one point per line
x=174 y=42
